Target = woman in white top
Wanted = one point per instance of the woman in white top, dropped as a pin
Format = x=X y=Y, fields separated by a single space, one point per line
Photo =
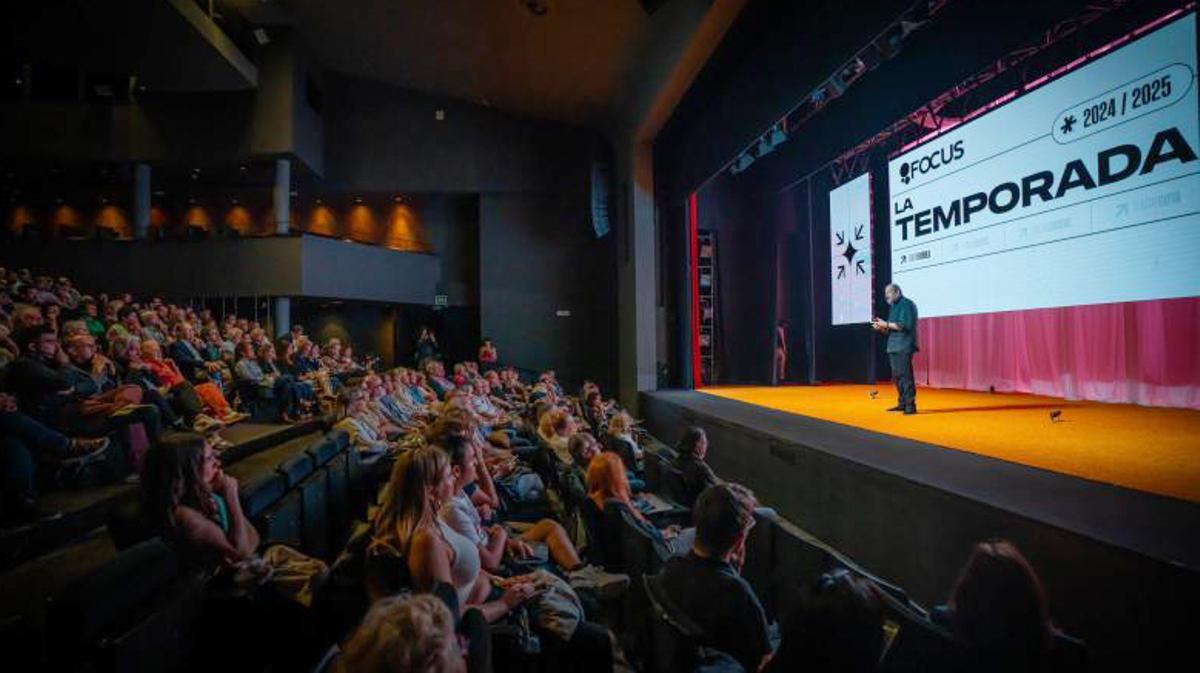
x=408 y=523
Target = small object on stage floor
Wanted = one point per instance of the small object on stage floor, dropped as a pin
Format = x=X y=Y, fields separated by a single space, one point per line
x=1055 y=415
x=874 y=394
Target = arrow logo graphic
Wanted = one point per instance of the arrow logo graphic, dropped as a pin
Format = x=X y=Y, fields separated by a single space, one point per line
x=859 y=265
x=841 y=238
x=841 y=271
x=858 y=233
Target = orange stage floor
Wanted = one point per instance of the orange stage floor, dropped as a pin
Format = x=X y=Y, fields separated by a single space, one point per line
x=1144 y=448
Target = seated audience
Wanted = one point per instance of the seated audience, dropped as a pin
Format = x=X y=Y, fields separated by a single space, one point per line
x=837 y=625
x=496 y=542
x=25 y=444
x=689 y=460
x=153 y=374
x=706 y=584
x=407 y=527
x=187 y=354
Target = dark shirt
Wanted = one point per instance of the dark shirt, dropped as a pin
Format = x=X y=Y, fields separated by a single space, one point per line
x=904 y=314
x=722 y=604
x=38 y=387
x=87 y=384
x=623 y=448
x=190 y=361
x=697 y=476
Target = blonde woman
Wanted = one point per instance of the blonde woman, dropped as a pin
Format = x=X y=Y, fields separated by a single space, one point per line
x=408 y=526
x=621 y=442
x=403 y=634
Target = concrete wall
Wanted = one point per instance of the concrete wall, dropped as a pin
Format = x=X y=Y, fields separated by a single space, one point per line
x=539 y=259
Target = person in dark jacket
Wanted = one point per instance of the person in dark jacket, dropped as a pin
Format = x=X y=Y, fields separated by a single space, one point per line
x=689 y=460
x=902 y=344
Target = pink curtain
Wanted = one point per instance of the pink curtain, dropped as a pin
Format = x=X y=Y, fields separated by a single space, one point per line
x=1140 y=352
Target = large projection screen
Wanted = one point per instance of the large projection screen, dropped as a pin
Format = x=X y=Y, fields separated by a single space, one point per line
x=1085 y=190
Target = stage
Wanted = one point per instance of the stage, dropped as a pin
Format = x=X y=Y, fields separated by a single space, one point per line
x=1151 y=449
x=1104 y=502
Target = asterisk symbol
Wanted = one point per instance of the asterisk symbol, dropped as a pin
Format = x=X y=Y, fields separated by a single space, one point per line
x=1068 y=123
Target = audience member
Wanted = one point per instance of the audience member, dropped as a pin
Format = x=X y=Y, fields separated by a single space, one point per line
x=403 y=634
x=407 y=527
x=194 y=503
x=608 y=484
x=689 y=460
x=836 y=625
x=706 y=584
x=999 y=611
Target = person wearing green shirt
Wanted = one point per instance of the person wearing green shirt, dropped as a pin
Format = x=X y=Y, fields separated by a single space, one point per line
x=902 y=344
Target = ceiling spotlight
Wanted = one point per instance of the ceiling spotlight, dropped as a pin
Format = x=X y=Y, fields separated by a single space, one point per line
x=191 y=199
x=235 y=201
x=358 y=199
x=439 y=114
x=261 y=37
x=243 y=168
x=318 y=202
x=398 y=199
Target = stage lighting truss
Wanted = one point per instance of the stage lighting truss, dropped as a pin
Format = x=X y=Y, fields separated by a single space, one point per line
x=965 y=100
x=885 y=45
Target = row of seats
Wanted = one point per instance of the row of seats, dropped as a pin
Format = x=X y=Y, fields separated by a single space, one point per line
x=143 y=610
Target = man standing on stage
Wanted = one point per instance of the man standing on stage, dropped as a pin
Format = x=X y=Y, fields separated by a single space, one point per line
x=901 y=328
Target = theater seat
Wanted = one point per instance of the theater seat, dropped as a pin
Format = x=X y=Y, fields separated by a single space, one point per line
x=672 y=484
x=127 y=524
x=323 y=451
x=135 y=612
x=674 y=638
x=295 y=469
x=282 y=522
x=337 y=497
x=314 y=496
x=260 y=492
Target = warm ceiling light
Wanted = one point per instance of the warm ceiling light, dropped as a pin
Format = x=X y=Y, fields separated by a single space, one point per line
x=358 y=199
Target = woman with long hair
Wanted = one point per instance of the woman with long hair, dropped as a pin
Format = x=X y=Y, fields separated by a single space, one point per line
x=608 y=484
x=620 y=441
x=1000 y=612
x=194 y=503
x=408 y=525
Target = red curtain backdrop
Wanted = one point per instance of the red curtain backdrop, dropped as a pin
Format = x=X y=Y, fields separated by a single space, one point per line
x=1138 y=352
